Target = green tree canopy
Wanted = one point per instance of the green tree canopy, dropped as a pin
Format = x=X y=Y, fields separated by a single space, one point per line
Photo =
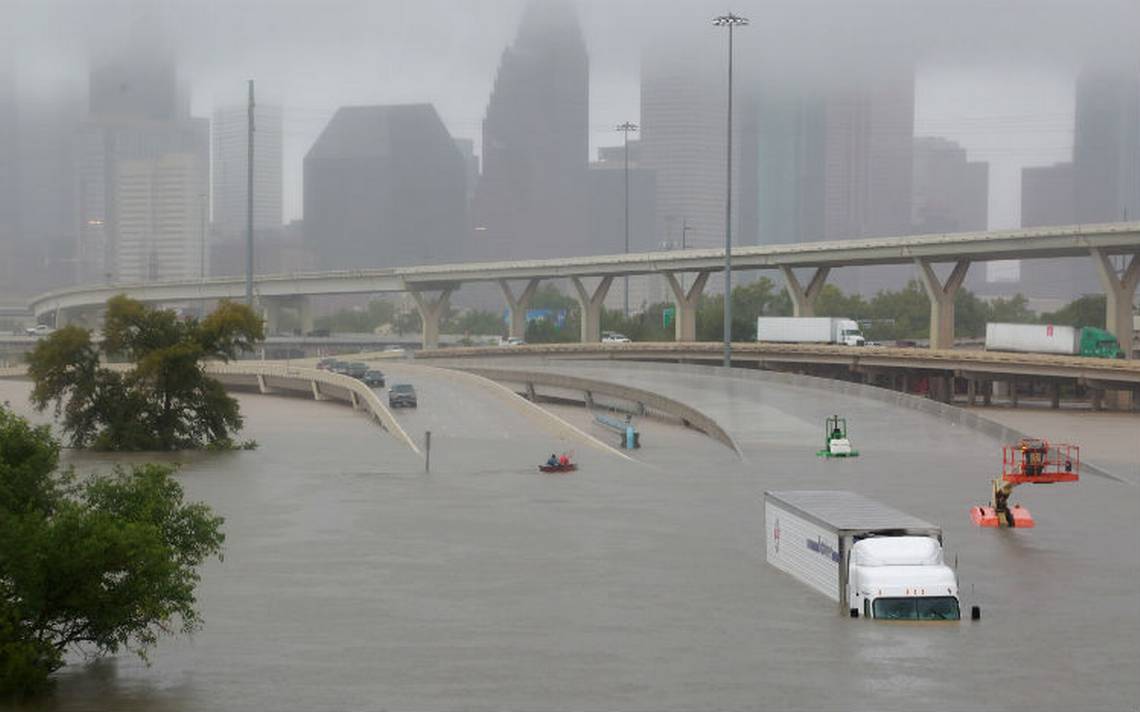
x=165 y=401
x=1088 y=310
x=105 y=564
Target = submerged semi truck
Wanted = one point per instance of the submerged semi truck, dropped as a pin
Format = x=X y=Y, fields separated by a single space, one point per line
x=808 y=330
x=1052 y=339
x=873 y=560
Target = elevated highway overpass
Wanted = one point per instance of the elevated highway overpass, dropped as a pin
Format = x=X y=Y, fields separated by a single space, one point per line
x=431 y=286
x=947 y=372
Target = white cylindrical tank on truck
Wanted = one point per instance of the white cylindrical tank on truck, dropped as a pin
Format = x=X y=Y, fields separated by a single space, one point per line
x=873 y=560
x=808 y=330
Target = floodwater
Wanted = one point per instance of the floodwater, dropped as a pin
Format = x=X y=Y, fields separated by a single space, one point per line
x=353 y=580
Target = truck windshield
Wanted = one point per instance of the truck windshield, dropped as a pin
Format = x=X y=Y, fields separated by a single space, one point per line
x=930 y=608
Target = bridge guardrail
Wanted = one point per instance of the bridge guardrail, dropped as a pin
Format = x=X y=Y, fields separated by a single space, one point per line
x=1120 y=371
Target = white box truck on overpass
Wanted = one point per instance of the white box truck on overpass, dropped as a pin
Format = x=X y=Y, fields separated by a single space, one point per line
x=873 y=560
x=808 y=330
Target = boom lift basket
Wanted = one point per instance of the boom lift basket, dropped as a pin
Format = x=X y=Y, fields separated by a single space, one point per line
x=1030 y=461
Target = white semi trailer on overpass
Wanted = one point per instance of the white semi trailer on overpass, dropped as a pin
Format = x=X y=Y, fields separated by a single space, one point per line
x=873 y=560
x=808 y=330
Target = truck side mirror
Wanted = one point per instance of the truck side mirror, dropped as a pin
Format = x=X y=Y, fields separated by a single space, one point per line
x=975 y=613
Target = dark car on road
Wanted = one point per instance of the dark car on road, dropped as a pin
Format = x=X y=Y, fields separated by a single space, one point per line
x=373 y=378
x=402 y=395
x=356 y=369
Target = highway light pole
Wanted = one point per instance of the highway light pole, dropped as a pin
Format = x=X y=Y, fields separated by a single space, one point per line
x=625 y=129
x=249 y=207
x=730 y=21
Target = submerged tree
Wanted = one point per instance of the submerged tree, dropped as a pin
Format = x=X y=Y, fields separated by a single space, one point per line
x=98 y=566
x=165 y=401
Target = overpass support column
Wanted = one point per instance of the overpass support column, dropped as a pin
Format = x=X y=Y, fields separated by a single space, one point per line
x=1120 y=292
x=591 y=303
x=305 y=314
x=803 y=300
x=518 y=306
x=430 y=313
x=942 y=301
x=271 y=313
x=685 y=320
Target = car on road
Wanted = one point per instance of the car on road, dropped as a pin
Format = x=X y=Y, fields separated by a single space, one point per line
x=514 y=341
x=373 y=378
x=402 y=395
x=325 y=364
x=356 y=369
x=338 y=366
x=38 y=330
x=612 y=337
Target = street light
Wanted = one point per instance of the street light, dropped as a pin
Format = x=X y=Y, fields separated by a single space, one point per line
x=730 y=21
x=625 y=129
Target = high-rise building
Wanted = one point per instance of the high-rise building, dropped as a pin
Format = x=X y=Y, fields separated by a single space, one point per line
x=531 y=198
x=230 y=169
x=869 y=139
x=138 y=112
x=951 y=193
x=385 y=186
x=606 y=221
x=790 y=163
x=683 y=142
x=1106 y=146
x=9 y=180
x=161 y=218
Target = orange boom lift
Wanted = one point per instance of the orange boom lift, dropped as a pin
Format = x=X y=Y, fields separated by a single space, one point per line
x=1030 y=461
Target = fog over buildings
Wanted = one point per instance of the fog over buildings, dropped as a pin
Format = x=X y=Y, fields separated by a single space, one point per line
x=122 y=124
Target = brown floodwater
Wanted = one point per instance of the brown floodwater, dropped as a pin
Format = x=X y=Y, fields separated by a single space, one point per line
x=354 y=580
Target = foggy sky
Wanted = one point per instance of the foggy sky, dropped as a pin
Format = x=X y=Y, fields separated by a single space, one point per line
x=993 y=74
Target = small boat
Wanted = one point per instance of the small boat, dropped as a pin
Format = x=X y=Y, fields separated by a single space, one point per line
x=571 y=467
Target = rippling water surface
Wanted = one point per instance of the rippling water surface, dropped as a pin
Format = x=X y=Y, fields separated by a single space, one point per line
x=353 y=580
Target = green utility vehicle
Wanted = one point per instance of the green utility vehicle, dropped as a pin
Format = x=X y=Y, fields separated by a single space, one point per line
x=835 y=441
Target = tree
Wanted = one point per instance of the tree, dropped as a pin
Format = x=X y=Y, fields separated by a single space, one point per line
x=1089 y=310
x=166 y=401
x=104 y=565
x=476 y=321
x=1014 y=310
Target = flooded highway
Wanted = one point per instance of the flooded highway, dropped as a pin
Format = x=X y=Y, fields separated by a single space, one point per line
x=353 y=580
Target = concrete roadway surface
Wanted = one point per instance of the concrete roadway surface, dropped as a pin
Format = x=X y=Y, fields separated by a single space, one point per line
x=354 y=581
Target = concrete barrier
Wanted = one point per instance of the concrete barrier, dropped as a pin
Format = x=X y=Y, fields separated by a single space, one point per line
x=649 y=400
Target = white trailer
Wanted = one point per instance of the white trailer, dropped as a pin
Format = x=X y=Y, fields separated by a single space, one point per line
x=871 y=559
x=808 y=330
x=1033 y=338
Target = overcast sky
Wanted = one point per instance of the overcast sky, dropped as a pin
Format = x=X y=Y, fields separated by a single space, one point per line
x=996 y=75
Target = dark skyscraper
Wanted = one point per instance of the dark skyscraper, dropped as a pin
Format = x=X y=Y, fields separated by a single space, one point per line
x=385 y=186
x=532 y=194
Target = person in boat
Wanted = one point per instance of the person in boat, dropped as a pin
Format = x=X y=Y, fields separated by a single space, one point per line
x=837 y=434
x=553 y=461
x=564 y=460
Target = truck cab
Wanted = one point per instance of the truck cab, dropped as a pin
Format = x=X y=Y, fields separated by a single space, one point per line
x=901 y=578
x=847 y=333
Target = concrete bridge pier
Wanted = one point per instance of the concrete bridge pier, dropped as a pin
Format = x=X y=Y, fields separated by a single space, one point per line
x=591 y=304
x=518 y=305
x=274 y=308
x=803 y=299
x=1120 y=292
x=430 y=314
x=685 y=319
x=942 y=300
